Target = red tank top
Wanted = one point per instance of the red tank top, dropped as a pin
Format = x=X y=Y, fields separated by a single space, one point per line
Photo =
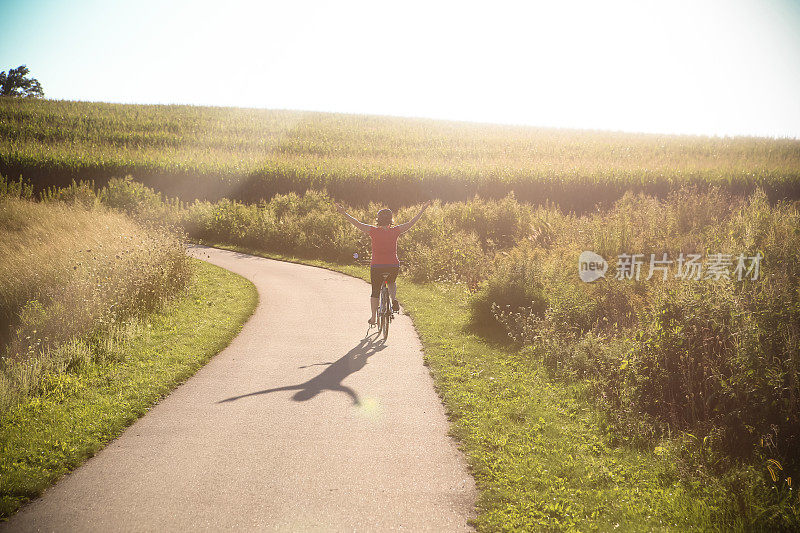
x=384 y=245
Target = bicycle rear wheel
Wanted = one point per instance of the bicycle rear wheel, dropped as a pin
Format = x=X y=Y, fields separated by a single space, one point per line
x=384 y=312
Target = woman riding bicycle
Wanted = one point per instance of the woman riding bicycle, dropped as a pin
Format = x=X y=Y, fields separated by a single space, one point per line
x=384 y=252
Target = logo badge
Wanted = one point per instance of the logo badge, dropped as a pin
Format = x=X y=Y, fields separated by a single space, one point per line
x=591 y=266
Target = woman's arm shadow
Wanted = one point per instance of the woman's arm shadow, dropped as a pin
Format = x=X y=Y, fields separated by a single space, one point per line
x=329 y=379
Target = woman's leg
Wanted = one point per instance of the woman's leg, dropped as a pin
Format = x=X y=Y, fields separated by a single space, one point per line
x=374 y=303
x=393 y=287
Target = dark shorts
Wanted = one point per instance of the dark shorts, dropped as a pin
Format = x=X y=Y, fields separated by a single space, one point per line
x=376 y=276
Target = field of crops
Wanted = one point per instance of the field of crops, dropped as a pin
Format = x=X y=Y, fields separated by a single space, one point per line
x=246 y=154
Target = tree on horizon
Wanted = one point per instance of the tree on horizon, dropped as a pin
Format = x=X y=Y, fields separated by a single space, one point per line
x=17 y=83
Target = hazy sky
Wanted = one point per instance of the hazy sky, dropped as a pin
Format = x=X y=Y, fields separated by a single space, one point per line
x=725 y=68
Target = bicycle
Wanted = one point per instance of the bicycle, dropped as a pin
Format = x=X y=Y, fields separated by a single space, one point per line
x=385 y=311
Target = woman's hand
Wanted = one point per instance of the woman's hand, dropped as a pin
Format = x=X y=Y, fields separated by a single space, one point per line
x=357 y=223
x=407 y=226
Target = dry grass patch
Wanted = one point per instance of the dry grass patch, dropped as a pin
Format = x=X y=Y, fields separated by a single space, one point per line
x=67 y=270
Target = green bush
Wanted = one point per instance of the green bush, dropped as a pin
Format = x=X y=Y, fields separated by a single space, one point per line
x=130 y=196
x=515 y=285
x=710 y=357
x=80 y=193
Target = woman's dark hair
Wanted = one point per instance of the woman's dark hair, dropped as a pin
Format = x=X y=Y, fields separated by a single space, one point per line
x=385 y=217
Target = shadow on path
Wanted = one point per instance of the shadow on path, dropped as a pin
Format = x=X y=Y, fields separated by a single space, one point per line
x=331 y=378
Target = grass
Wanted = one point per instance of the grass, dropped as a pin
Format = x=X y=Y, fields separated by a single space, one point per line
x=78 y=411
x=541 y=453
x=67 y=270
x=249 y=154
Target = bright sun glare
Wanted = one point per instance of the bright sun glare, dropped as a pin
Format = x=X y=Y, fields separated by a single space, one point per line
x=722 y=68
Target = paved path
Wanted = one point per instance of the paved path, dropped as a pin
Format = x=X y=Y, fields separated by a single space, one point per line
x=301 y=424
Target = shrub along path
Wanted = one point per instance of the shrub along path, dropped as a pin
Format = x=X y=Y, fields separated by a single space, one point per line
x=302 y=423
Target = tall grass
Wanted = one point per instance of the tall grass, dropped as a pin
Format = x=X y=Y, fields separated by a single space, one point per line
x=707 y=368
x=248 y=155
x=69 y=269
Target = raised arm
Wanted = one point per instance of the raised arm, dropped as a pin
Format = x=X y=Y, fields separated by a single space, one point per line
x=357 y=223
x=407 y=226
